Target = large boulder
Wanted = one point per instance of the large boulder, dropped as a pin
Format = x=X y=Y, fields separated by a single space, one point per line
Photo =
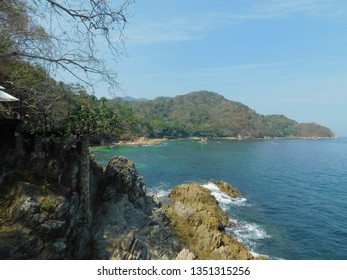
x=197 y=219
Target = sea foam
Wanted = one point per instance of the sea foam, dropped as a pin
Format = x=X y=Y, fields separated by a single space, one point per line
x=223 y=199
x=246 y=232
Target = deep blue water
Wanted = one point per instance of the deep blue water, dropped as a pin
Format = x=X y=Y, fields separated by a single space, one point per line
x=295 y=189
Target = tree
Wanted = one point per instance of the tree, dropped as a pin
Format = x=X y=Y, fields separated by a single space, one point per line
x=90 y=116
x=75 y=30
x=18 y=31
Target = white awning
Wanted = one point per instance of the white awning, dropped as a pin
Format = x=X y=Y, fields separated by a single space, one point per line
x=5 y=97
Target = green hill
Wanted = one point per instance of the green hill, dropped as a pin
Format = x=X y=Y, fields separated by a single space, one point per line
x=209 y=114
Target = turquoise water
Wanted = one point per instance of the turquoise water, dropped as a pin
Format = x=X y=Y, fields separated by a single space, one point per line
x=295 y=190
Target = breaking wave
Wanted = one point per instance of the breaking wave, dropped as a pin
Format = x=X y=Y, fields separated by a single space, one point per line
x=223 y=199
x=249 y=234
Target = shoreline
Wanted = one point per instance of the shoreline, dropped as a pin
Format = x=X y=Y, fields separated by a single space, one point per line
x=141 y=142
x=144 y=141
x=272 y=138
x=157 y=141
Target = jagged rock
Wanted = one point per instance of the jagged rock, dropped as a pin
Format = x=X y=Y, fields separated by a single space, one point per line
x=124 y=231
x=122 y=175
x=227 y=189
x=185 y=254
x=28 y=249
x=51 y=229
x=198 y=220
x=128 y=223
x=59 y=246
x=61 y=210
x=25 y=205
x=39 y=220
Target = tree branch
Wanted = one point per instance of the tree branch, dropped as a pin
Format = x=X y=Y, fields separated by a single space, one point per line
x=79 y=28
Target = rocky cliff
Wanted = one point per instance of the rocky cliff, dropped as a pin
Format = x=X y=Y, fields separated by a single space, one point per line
x=129 y=224
x=43 y=215
x=43 y=221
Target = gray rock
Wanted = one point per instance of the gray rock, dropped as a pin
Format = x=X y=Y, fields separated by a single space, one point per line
x=51 y=229
x=59 y=246
x=185 y=254
x=126 y=223
x=26 y=210
x=123 y=177
x=61 y=210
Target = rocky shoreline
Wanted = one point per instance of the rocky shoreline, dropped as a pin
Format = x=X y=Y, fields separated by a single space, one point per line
x=51 y=222
x=158 y=141
x=141 y=142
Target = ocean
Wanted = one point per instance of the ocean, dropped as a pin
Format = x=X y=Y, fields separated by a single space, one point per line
x=294 y=203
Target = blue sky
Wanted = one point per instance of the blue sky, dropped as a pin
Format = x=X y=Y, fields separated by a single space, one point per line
x=277 y=57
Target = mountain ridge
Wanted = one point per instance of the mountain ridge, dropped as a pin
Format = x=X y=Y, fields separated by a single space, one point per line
x=209 y=114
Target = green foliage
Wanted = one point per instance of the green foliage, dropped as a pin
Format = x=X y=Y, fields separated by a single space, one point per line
x=49 y=204
x=20 y=233
x=312 y=130
x=88 y=116
x=207 y=114
x=59 y=109
x=46 y=186
x=279 y=126
x=4 y=216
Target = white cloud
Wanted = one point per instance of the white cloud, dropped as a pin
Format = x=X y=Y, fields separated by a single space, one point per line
x=195 y=25
x=279 y=8
x=262 y=10
x=169 y=30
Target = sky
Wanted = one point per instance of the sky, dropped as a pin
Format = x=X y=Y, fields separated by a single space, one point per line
x=275 y=56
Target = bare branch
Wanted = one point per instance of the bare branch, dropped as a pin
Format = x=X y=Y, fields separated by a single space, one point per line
x=77 y=29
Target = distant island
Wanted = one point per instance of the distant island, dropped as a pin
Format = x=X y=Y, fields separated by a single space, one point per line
x=208 y=114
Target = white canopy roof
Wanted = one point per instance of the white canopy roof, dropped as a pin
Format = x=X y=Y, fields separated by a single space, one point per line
x=5 y=97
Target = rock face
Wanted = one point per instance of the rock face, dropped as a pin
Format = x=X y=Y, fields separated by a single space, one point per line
x=126 y=223
x=45 y=227
x=198 y=220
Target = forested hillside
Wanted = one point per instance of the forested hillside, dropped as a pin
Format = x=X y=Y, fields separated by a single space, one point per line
x=209 y=114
